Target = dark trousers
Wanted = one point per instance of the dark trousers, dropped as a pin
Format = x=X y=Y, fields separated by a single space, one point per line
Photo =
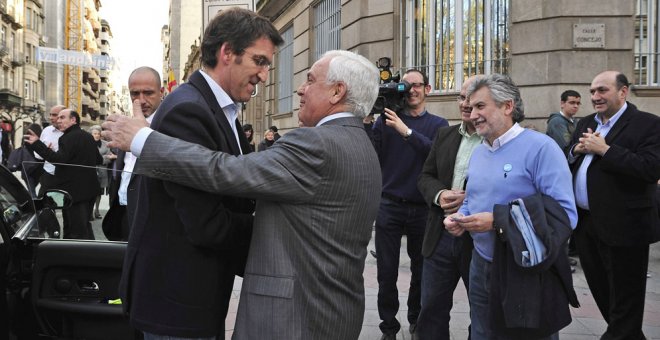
x=77 y=223
x=617 y=279
x=449 y=262
x=394 y=220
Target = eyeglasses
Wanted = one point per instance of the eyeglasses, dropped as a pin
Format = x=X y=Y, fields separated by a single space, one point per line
x=417 y=86
x=461 y=98
x=259 y=60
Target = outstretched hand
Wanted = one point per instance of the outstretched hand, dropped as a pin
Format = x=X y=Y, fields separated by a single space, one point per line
x=119 y=130
x=30 y=137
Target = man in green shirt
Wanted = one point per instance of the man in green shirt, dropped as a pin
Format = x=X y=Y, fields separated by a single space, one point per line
x=446 y=257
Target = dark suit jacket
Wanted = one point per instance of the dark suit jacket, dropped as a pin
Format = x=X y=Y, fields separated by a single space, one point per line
x=531 y=302
x=621 y=185
x=75 y=147
x=185 y=245
x=116 y=221
x=437 y=175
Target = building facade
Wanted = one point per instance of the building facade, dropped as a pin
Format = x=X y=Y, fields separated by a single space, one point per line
x=546 y=46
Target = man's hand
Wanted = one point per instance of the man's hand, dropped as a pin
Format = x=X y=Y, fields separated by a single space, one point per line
x=120 y=130
x=30 y=137
x=452 y=225
x=451 y=200
x=477 y=223
x=395 y=122
x=593 y=142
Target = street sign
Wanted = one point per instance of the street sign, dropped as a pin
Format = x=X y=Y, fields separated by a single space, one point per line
x=211 y=7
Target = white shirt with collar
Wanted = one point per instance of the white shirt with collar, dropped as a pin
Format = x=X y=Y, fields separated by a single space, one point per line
x=580 y=183
x=129 y=164
x=50 y=136
x=228 y=106
x=508 y=136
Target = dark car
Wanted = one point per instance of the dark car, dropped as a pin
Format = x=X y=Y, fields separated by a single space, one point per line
x=55 y=288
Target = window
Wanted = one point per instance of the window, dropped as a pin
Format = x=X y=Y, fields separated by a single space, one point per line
x=327 y=27
x=451 y=40
x=285 y=73
x=646 y=43
x=27 y=90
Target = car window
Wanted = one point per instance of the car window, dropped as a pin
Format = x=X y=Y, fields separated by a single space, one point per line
x=15 y=203
x=91 y=190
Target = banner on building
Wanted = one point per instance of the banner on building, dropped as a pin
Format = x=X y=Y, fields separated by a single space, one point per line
x=74 y=58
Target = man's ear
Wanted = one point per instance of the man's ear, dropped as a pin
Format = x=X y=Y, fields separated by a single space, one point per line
x=339 y=92
x=224 y=53
x=508 y=107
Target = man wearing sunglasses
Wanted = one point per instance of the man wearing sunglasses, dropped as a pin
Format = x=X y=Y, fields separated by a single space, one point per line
x=402 y=141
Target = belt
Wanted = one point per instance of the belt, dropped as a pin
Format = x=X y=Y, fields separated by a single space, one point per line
x=401 y=200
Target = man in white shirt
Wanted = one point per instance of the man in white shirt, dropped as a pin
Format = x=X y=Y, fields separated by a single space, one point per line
x=50 y=136
x=144 y=88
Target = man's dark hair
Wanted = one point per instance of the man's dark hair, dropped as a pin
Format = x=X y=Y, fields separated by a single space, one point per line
x=273 y=128
x=239 y=28
x=621 y=81
x=74 y=114
x=569 y=93
x=424 y=76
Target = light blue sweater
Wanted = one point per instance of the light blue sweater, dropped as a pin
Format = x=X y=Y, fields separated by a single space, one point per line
x=531 y=162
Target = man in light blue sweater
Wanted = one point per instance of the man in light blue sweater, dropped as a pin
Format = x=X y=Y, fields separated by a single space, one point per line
x=512 y=163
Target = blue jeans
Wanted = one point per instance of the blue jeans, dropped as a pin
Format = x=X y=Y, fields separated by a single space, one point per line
x=478 y=294
x=449 y=262
x=395 y=220
x=151 y=336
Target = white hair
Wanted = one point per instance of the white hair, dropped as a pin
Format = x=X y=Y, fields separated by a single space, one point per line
x=360 y=77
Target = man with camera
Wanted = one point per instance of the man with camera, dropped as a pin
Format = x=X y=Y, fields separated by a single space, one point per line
x=402 y=141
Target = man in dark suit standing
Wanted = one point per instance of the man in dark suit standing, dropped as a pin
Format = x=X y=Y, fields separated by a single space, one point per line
x=446 y=257
x=186 y=245
x=76 y=147
x=615 y=160
x=144 y=87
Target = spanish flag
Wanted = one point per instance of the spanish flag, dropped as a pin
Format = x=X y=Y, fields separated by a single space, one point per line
x=171 y=82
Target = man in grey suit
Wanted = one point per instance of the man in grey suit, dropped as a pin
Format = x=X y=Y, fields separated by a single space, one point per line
x=318 y=191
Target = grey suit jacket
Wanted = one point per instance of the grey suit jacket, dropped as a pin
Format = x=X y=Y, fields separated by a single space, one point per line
x=318 y=191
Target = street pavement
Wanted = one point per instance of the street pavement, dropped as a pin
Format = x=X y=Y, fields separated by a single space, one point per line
x=587 y=322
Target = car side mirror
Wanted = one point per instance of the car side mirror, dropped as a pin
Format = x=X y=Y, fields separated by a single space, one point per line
x=57 y=199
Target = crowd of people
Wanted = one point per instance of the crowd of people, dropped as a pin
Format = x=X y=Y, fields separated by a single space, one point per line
x=485 y=201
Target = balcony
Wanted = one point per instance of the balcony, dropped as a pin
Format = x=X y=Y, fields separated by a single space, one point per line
x=4 y=51
x=17 y=59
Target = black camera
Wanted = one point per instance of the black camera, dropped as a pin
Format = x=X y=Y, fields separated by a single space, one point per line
x=392 y=94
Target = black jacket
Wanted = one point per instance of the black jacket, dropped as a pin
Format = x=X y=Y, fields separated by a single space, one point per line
x=186 y=245
x=621 y=184
x=76 y=146
x=531 y=302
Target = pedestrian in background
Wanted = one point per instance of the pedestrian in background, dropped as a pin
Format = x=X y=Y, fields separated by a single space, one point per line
x=269 y=140
x=249 y=134
x=101 y=171
x=402 y=141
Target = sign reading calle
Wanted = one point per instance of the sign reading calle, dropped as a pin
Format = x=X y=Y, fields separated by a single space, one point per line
x=211 y=7
x=589 y=36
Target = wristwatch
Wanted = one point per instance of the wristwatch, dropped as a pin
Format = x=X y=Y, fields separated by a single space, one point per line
x=408 y=134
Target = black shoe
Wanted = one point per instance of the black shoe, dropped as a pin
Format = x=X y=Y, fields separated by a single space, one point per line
x=387 y=336
x=572 y=262
x=413 y=332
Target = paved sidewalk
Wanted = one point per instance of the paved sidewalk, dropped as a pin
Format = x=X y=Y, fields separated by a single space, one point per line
x=587 y=323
